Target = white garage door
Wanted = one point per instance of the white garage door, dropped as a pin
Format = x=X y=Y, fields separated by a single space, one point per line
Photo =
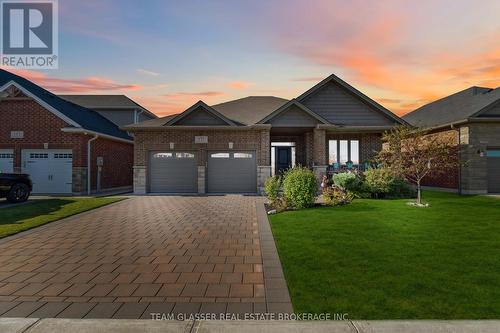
x=50 y=169
x=173 y=172
x=6 y=160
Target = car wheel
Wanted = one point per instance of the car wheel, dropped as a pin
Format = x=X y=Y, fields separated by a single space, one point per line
x=18 y=193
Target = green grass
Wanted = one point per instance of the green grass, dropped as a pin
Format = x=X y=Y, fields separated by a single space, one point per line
x=382 y=259
x=30 y=215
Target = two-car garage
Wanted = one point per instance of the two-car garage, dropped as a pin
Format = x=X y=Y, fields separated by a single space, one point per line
x=226 y=172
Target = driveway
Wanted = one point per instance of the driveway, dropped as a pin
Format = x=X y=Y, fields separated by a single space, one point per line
x=152 y=254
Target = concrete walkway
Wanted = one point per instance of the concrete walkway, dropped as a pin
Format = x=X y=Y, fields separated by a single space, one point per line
x=158 y=254
x=20 y=325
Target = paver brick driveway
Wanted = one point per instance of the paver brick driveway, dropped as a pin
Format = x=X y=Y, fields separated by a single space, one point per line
x=146 y=254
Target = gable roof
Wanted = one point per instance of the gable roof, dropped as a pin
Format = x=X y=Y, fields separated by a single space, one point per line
x=300 y=106
x=196 y=106
x=118 y=102
x=461 y=106
x=250 y=110
x=75 y=115
x=356 y=92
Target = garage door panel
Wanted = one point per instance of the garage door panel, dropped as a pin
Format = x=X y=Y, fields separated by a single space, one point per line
x=6 y=160
x=173 y=172
x=50 y=170
x=232 y=172
x=493 y=171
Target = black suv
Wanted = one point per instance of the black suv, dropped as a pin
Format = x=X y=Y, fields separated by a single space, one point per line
x=15 y=187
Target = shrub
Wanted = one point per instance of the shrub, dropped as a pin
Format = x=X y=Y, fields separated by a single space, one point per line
x=401 y=189
x=300 y=187
x=337 y=196
x=346 y=180
x=379 y=181
x=273 y=188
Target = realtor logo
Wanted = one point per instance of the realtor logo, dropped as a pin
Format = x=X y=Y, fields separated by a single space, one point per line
x=29 y=34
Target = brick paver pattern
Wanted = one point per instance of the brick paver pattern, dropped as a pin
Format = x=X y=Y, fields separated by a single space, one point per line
x=146 y=254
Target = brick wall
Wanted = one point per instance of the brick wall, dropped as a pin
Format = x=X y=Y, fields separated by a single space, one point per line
x=147 y=141
x=117 y=167
x=40 y=126
x=447 y=178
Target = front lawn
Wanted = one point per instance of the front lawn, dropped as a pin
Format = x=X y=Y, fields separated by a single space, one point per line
x=382 y=259
x=30 y=215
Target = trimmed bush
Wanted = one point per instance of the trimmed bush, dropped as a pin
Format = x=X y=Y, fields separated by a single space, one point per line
x=379 y=181
x=273 y=188
x=300 y=187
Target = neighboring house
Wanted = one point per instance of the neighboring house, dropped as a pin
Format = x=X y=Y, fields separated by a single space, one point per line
x=472 y=118
x=49 y=138
x=234 y=147
x=118 y=108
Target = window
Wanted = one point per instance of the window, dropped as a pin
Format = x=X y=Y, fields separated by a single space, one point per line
x=184 y=155
x=243 y=155
x=63 y=155
x=354 y=154
x=219 y=155
x=162 y=155
x=342 y=151
x=332 y=152
x=37 y=155
x=6 y=155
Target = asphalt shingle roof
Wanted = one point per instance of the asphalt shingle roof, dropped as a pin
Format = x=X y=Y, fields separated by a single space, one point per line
x=456 y=107
x=105 y=102
x=86 y=118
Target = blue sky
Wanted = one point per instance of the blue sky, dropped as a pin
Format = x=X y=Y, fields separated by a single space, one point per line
x=169 y=54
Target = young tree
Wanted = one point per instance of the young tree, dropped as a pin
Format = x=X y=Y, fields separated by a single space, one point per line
x=414 y=154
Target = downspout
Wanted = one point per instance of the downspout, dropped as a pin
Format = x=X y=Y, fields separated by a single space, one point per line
x=89 y=164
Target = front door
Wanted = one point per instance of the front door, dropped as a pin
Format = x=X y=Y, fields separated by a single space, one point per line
x=283 y=159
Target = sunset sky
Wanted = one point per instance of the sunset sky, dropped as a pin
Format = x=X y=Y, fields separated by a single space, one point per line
x=167 y=55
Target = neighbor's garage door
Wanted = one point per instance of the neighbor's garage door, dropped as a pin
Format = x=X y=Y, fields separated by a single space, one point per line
x=493 y=170
x=232 y=172
x=173 y=172
x=6 y=160
x=50 y=169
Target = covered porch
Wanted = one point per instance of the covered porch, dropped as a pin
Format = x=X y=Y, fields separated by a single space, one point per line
x=325 y=150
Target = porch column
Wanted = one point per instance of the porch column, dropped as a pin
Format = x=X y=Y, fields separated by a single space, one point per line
x=319 y=153
x=264 y=160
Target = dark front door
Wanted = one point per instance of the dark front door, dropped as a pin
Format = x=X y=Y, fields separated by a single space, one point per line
x=283 y=159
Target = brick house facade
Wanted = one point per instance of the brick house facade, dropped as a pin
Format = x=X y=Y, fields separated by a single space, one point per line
x=471 y=118
x=280 y=133
x=45 y=130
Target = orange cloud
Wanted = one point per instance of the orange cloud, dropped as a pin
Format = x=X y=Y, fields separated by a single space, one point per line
x=84 y=85
x=407 y=54
x=238 y=85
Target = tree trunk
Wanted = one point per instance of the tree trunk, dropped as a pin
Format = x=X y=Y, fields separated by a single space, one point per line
x=419 y=193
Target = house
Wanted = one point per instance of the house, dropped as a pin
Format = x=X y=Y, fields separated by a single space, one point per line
x=472 y=118
x=64 y=147
x=234 y=147
x=119 y=109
